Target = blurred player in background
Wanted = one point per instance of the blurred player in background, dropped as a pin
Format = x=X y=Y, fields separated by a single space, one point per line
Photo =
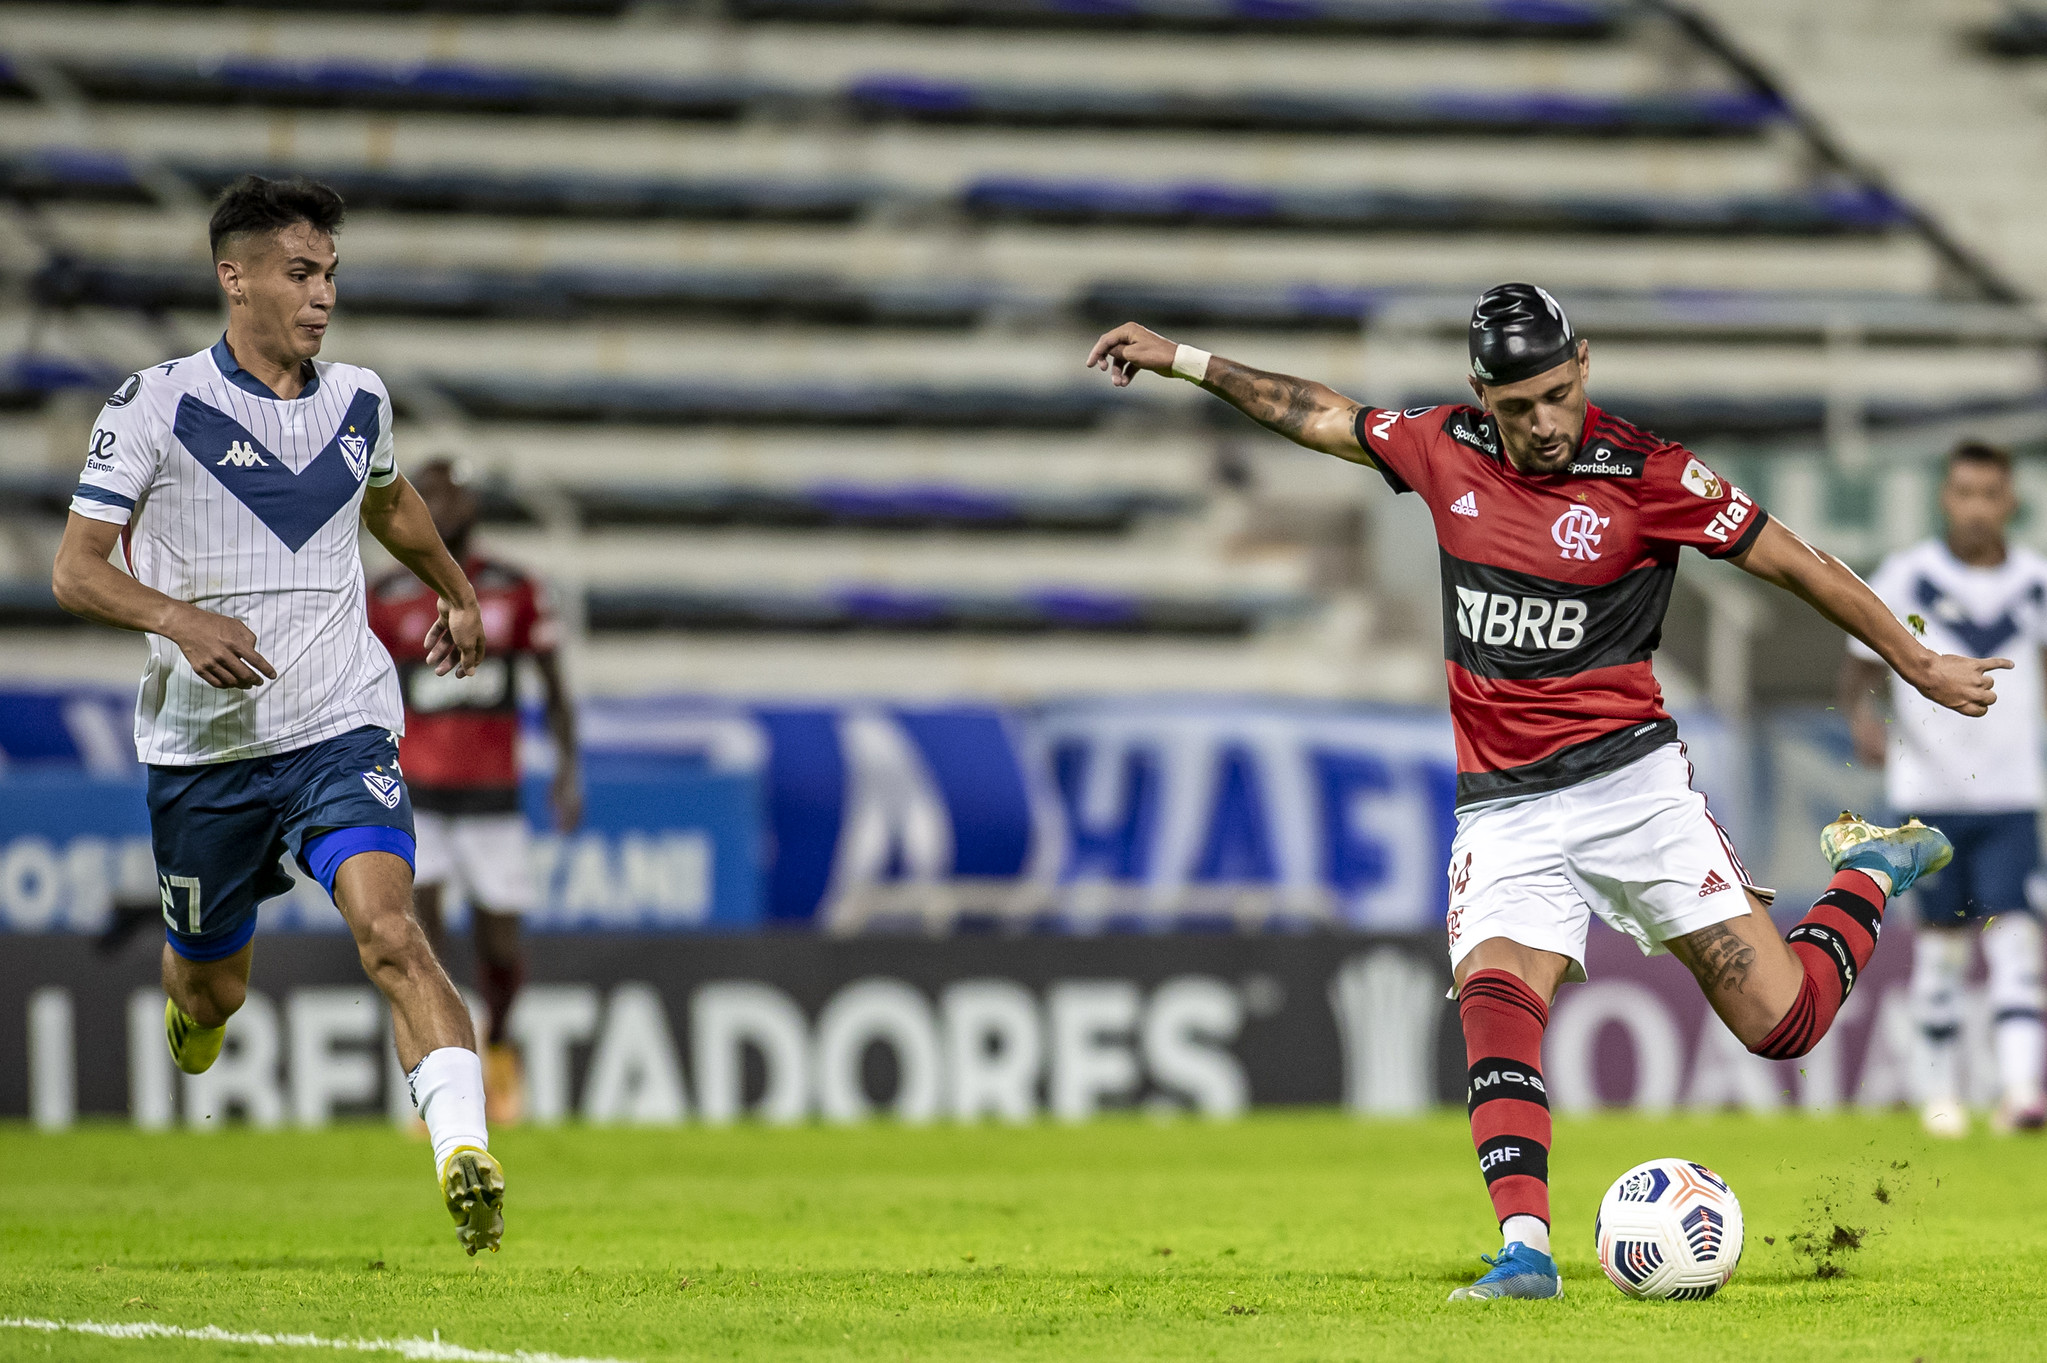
x=461 y=754
x=1559 y=527
x=236 y=483
x=1979 y=780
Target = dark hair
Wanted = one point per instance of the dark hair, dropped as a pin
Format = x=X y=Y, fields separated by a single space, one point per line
x=254 y=204
x=1980 y=452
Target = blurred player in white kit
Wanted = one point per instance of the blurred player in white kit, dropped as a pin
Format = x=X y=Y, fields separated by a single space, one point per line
x=1979 y=780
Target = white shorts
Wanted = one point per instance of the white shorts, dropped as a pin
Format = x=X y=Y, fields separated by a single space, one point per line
x=480 y=857
x=1635 y=846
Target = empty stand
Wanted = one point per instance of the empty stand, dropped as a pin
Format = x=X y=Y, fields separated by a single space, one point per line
x=762 y=320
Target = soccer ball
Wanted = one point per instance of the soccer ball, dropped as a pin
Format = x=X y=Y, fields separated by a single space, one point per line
x=1669 y=1230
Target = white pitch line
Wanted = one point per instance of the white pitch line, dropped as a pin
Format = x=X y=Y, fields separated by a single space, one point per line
x=430 y=1349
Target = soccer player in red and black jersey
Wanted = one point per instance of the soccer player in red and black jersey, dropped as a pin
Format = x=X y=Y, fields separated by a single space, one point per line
x=461 y=760
x=1559 y=526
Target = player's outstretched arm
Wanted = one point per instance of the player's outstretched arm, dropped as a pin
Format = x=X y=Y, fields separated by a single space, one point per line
x=1784 y=560
x=396 y=515
x=222 y=650
x=1305 y=412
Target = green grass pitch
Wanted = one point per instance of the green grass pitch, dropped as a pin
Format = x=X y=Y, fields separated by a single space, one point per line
x=1299 y=1235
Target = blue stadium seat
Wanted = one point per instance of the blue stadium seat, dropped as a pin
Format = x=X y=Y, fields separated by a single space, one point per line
x=885 y=610
x=424 y=291
x=451 y=87
x=630 y=402
x=1475 y=113
x=1550 y=20
x=845 y=505
x=1837 y=211
x=1848 y=210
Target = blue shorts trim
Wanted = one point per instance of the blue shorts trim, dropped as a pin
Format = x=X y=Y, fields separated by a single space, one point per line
x=214 y=949
x=322 y=857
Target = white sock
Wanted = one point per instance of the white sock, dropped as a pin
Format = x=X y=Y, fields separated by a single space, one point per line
x=1529 y=1230
x=2011 y=949
x=447 y=1088
x=1940 y=959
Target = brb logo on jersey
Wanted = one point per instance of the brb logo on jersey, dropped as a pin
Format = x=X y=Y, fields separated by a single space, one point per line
x=243 y=455
x=1501 y=619
x=1577 y=532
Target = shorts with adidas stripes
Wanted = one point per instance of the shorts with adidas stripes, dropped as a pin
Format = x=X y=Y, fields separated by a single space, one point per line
x=1635 y=846
x=219 y=830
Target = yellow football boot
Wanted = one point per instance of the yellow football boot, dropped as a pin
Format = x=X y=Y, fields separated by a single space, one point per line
x=1904 y=853
x=473 y=1184
x=195 y=1048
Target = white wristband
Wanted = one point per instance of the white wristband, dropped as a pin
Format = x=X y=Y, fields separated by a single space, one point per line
x=1190 y=364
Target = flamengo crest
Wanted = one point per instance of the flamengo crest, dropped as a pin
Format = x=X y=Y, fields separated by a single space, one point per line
x=1577 y=532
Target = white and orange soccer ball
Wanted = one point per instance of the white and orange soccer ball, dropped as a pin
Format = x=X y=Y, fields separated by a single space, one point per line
x=1669 y=1230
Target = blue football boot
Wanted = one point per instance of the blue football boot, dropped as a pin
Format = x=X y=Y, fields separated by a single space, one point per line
x=1518 y=1272
x=1904 y=853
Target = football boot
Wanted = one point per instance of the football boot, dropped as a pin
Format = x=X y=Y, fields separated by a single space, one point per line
x=1518 y=1271
x=193 y=1047
x=473 y=1185
x=1904 y=853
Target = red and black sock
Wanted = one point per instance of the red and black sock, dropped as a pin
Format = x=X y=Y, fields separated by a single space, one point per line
x=1833 y=942
x=1503 y=1024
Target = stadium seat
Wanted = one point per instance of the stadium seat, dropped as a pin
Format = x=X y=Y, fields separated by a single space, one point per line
x=450 y=87
x=1480 y=20
x=894 y=611
x=1825 y=212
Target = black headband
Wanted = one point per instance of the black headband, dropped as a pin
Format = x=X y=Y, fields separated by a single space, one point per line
x=1517 y=332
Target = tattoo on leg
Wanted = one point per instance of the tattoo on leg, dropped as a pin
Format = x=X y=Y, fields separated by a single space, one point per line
x=1724 y=960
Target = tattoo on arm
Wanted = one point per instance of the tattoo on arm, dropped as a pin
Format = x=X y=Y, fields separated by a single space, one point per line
x=1723 y=960
x=1278 y=402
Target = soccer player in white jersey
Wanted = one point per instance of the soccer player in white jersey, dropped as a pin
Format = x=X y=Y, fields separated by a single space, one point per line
x=1979 y=780
x=234 y=483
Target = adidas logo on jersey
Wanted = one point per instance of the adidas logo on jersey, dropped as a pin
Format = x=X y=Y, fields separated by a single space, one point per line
x=1467 y=505
x=243 y=455
x=1713 y=884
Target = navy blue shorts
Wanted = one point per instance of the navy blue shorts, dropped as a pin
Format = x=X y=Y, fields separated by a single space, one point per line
x=1994 y=853
x=219 y=829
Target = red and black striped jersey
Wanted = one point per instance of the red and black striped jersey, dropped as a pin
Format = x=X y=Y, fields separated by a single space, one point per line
x=1555 y=587
x=461 y=746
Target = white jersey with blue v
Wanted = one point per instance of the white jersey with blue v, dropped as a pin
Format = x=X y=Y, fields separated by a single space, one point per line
x=1940 y=760
x=249 y=506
